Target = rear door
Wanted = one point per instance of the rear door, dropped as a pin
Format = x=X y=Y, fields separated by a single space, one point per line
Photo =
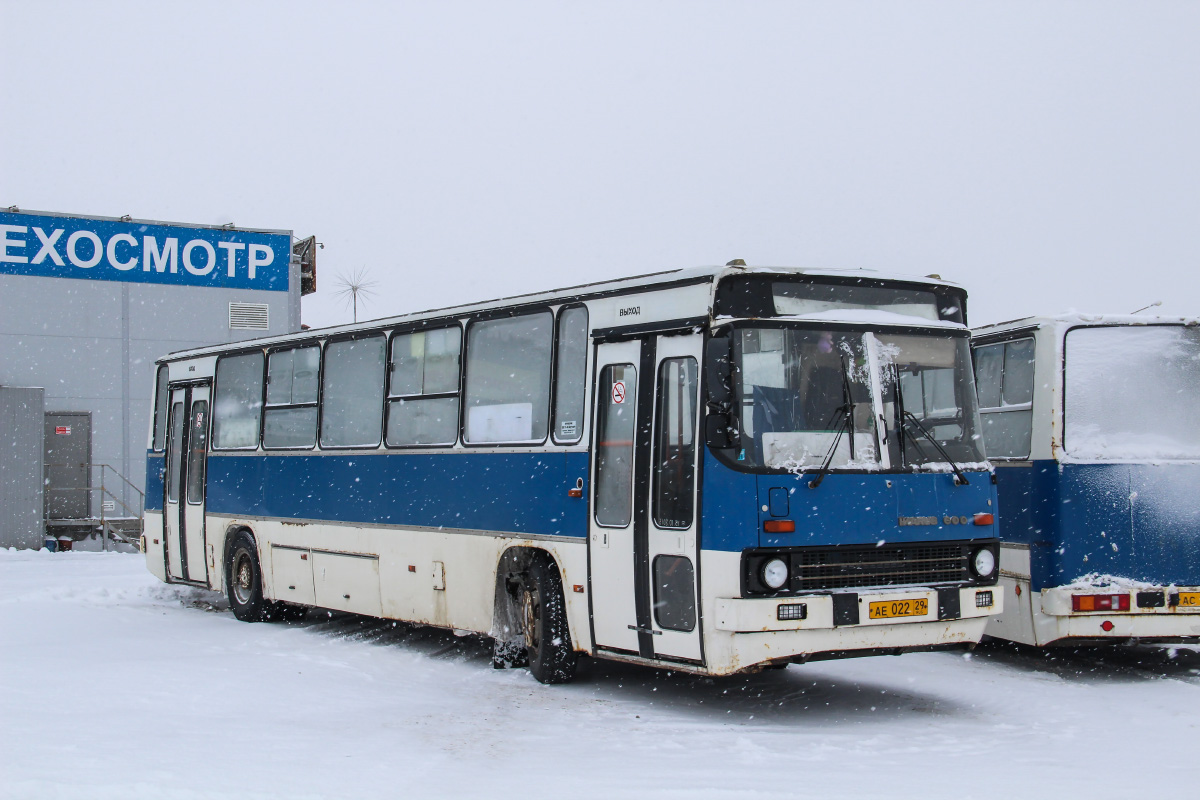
x=195 y=472
x=183 y=504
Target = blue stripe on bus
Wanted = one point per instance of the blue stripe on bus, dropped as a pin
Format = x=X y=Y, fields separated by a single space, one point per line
x=510 y=492
x=527 y=493
x=1137 y=521
x=155 y=466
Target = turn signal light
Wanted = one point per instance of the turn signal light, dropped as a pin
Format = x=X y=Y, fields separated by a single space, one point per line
x=1099 y=602
x=984 y=519
x=779 y=526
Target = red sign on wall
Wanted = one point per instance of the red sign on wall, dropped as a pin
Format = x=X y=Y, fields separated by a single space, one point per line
x=62 y=430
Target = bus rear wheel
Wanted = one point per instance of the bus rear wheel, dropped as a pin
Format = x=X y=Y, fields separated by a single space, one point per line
x=243 y=577
x=544 y=617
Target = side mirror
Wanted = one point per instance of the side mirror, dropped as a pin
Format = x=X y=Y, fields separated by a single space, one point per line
x=719 y=432
x=718 y=371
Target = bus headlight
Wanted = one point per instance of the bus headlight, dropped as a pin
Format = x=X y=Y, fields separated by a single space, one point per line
x=775 y=573
x=984 y=562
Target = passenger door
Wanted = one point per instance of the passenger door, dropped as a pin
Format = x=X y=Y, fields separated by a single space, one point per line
x=616 y=599
x=187 y=456
x=642 y=543
x=673 y=543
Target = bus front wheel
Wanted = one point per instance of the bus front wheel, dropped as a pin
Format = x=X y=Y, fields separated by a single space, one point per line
x=544 y=614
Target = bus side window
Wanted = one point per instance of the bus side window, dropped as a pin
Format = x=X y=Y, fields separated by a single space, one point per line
x=197 y=442
x=423 y=371
x=507 y=393
x=570 y=370
x=1004 y=377
x=290 y=419
x=237 y=403
x=614 y=446
x=675 y=443
x=160 y=410
x=175 y=469
x=352 y=393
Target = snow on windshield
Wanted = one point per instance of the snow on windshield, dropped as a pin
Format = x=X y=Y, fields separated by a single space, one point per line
x=1132 y=392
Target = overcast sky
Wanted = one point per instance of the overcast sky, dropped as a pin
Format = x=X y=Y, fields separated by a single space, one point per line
x=1044 y=154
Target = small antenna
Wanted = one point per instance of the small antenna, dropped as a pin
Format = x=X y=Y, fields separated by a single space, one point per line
x=355 y=286
x=1143 y=308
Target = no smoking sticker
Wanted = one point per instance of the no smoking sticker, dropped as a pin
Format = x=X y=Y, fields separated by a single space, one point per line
x=618 y=392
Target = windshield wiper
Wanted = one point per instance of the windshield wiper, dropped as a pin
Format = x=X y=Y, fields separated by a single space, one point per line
x=904 y=417
x=959 y=476
x=841 y=428
x=846 y=411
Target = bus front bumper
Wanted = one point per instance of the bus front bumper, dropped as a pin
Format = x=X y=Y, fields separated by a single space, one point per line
x=857 y=610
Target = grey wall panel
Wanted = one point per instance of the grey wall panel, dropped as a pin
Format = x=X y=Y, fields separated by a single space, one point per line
x=21 y=495
x=59 y=306
x=164 y=313
x=67 y=367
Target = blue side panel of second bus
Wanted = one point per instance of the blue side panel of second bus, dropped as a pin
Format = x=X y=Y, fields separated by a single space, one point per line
x=507 y=492
x=1137 y=521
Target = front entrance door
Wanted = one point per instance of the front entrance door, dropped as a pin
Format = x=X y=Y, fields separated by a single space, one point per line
x=643 y=543
x=183 y=515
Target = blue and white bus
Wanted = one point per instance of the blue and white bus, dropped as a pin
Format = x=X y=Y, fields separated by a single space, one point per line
x=711 y=470
x=1093 y=425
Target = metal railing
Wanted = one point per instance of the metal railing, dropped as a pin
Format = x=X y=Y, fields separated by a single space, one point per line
x=105 y=522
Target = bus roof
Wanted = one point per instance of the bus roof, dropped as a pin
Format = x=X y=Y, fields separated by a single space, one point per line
x=648 y=281
x=1075 y=318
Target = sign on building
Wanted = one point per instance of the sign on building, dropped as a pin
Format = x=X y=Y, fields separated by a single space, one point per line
x=89 y=248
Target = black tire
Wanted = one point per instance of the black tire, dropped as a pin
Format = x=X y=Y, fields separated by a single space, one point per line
x=544 y=614
x=243 y=580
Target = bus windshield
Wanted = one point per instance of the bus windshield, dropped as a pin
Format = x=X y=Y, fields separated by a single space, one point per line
x=1132 y=392
x=808 y=396
x=932 y=400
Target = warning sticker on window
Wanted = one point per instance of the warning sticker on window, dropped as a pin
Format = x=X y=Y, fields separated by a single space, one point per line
x=568 y=429
x=618 y=392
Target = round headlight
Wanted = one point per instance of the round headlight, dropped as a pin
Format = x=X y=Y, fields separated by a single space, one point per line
x=775 y=573
x=984 y=562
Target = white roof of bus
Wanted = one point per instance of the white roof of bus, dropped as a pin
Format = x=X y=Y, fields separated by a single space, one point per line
x=648 y=280
x=1073 y=318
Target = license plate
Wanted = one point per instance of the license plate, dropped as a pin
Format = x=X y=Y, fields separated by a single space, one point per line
x=1189 y=599
x=916 y=607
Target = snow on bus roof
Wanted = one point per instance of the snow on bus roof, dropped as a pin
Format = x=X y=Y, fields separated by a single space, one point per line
x=649 y=280
x=1073 y=318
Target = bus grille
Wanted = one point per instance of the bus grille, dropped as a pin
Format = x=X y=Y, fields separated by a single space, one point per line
x=815 y=569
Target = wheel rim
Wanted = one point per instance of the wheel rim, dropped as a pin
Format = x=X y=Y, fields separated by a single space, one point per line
x=243 y=577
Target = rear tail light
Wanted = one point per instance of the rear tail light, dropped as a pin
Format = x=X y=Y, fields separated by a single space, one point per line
x=984 y=519
x=779 y=526
x=1099 y=602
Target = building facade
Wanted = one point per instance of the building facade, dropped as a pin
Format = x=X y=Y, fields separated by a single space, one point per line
x=87 y=304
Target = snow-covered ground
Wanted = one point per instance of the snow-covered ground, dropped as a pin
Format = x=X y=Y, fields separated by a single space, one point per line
x=113 y=685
